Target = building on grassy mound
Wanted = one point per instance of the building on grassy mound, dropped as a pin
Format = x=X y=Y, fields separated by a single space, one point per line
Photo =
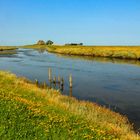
x=41 y=42
x=74 y=44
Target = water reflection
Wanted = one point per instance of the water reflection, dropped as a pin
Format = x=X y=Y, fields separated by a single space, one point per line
x=8 y=53
x=102 y=59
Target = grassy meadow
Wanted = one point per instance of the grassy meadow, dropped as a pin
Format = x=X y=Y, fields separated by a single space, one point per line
x=122 y=52
x=33 y=113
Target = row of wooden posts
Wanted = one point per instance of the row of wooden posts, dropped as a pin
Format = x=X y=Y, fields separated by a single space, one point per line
x=59 y=80
x=56 y=81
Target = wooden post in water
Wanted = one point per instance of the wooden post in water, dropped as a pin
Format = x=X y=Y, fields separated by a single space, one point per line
x=50 y=74
x=44 y=85
x=70 y=81
x=59 y=81
x=36 y=82
x=62 y=84
x=54 y=81
x=70 y=92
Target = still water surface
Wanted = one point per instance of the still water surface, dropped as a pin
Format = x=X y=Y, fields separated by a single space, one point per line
x=110 y=82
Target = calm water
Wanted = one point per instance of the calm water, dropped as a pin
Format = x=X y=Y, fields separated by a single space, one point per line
x=109 y=82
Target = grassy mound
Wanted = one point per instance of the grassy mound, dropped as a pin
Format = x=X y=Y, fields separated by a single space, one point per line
x=28 y=112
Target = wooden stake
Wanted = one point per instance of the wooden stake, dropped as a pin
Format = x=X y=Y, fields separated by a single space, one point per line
x=59 y=79
x=44 y=85
x=62 y=82
x=70 y=92
x=36 y=82
x=70 y=81
x=54 y=80
x=50 y=74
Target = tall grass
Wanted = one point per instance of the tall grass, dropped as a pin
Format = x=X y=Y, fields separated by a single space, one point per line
x=122 y=52
x=28 y=112
x=100 y=51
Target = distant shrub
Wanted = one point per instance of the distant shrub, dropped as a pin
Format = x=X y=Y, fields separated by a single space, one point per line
x=49 y=42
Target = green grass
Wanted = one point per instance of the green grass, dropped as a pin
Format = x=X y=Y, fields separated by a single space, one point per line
x=122 y=52
x=31 y=113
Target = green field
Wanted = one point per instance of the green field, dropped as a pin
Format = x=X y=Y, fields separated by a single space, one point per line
x=32 y=113
x=122 y=52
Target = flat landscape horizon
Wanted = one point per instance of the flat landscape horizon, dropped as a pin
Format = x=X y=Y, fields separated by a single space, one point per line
x=70 y=70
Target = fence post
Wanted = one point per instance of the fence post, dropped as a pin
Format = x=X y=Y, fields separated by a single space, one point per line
x=70 y=92
x=70 y=81
x=50 y=74
x=62 y=82
x=44 y=85
x=54 y=80
x=36 y=82
x=59 y=79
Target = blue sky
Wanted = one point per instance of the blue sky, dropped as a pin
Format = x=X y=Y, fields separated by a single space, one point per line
x=97 y=22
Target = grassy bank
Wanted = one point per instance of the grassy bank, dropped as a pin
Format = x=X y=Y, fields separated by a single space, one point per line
x=28 y=112
x=6 y=50
x=122 y=52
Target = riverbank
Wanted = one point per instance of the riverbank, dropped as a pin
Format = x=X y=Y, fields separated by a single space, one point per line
x=7 y=50
x=121 y=52
x=34 y=113
x=4 y=48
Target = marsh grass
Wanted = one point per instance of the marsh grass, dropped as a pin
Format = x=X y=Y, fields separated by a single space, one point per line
x=100 y=51
x=29 y=112
x=122 y=52
x=5 y=50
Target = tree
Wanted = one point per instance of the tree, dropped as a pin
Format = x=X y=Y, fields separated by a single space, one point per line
x=49 y=42
x=41 y=42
